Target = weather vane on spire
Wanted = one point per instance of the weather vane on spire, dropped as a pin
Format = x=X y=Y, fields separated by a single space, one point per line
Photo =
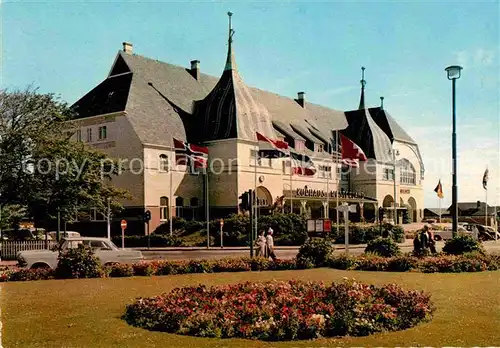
x=363 y=82
x=231 y=31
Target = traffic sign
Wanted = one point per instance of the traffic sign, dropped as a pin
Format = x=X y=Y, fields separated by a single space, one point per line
x=123 y=224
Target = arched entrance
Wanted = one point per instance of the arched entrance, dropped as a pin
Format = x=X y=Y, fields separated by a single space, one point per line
x=388 y=204
x=264 y=198
x=412 y=203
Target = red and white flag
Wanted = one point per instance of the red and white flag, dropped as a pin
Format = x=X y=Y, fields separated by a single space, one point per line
x=269 y=148
x=190 y=154
x=351 y=152
x=302 y=164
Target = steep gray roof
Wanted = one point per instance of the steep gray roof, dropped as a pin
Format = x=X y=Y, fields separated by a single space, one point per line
x=183 y=90
x=159 y=100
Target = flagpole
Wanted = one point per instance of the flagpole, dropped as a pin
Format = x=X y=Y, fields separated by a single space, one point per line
x=207 y=206
x=291 y=193
x=170 y=215
x=254 y=201
x=439 y=201
x=486 y=208
x=337 y=176
x=327 y=213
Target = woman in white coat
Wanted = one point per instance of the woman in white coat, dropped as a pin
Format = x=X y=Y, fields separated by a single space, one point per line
x=261 y=245
x=270 y=244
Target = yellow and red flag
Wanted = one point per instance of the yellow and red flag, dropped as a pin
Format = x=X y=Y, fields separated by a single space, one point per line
x=439 y=189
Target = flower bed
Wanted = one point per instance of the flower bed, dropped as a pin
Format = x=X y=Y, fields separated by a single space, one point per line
x=474 y=262
x=281 y=310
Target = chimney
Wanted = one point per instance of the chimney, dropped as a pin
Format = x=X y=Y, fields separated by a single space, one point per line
x=301 y=99
x=478 y=205
x=195 y=69
x=127 y=47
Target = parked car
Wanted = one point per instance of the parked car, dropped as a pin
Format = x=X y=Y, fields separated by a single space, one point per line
x=104 y=249
x=447 y=233
x=62 y=234
x=24 y=234
x=485 y=232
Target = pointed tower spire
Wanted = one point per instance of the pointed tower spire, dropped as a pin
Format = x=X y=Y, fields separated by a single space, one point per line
x=363 y=84
x=230 y=61
x=382 y=103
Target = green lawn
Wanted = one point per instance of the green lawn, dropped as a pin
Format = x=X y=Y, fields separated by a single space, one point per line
x=86 y=313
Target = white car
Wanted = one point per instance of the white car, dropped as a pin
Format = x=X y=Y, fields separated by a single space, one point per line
x=447 y=233
x=104 y=249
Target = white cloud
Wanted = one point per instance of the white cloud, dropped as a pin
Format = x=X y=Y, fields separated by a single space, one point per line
x=478 y=58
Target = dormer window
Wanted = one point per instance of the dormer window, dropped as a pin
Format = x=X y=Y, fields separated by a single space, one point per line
x=320 y=147
x=300 y=145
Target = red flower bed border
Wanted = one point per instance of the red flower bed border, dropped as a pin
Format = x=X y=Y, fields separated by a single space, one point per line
x=365 y=262
x=282 y=310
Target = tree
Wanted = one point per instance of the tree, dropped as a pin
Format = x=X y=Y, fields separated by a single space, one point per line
x=41 y=168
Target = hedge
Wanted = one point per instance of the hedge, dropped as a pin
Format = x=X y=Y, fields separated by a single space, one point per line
x=473 y=262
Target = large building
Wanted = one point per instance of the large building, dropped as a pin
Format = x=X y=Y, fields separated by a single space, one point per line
x=143 y=104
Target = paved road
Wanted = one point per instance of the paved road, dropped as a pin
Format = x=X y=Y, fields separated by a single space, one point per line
x=282 y=253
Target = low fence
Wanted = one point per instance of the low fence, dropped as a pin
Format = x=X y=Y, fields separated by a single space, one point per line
x=10 y=249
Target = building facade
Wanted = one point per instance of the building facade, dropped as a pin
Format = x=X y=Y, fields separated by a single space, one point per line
x=143 y=104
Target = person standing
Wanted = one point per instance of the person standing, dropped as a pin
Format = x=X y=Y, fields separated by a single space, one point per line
x=270 y=244
x=475 y=233
x=261 y=244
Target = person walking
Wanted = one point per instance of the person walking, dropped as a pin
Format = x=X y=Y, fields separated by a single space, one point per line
x=270 y=244
x=261 y=244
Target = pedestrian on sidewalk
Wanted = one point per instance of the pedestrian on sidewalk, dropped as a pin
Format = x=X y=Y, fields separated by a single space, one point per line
x=270 y=244
x=261 y=244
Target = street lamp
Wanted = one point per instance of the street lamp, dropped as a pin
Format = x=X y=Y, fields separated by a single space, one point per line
x=453 y=75
x=394 y=153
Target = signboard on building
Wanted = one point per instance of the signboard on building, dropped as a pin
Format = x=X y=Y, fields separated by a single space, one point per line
x=311 y=225
x=319 y=226
x=404 y=191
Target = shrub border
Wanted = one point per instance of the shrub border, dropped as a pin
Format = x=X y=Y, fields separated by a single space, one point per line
x=364 y=262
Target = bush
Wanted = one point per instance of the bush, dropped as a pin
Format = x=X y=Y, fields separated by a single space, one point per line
x=30 y=274
x=342 y=261
x=317 y=251
x=461 y=245
x=293 y=310
x=364 y=233
x=78 y=263
x=403 y=263
x=144 y=268
x=383 y=246
x=120 y=270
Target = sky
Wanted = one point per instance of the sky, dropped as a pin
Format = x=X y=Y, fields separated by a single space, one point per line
x=318 y=47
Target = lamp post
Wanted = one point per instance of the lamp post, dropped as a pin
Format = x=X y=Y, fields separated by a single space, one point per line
x=394 y=153
x=453 y=75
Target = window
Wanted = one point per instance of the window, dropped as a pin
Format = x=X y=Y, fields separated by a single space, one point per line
x=299 y=145
x=163 y=208
x=194 y=202
x=388 y=174
x=407 y=174
x=89 y=135
x=78 y=135
x=320 y=147
x=255 y=158
x=325 y=172
x=96 y=216
x=103 y=133
x=163 y=163
x=286 y=167
x=343 y=173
